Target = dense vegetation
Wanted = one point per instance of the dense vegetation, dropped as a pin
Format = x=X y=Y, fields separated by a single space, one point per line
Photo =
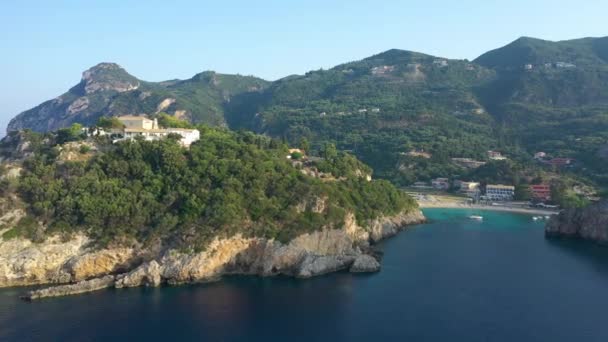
x=384 y=106
x=226 y=183
x=531 y=95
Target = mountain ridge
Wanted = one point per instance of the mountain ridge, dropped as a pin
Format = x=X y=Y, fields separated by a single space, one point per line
x=381 y=106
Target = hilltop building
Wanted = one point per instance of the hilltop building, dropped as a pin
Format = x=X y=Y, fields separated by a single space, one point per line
x=141 y=126
x=138 y=122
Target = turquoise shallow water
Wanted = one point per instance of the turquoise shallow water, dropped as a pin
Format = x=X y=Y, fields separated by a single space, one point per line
x=453 y=279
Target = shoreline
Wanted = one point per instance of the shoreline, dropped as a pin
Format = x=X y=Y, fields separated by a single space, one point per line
x=452 y=205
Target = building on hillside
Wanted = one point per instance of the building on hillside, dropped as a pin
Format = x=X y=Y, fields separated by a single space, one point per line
x=421 y=185
x=418 y=153
x=138 y=122
x=441 y=63
x=499 y=192
x=468 y=163
x=495 y=155
x=540 y=155
x=188 y=136
x=140 y=126
x=564 y=65
x=558 y=162
x=541 y=192
x=441 y=183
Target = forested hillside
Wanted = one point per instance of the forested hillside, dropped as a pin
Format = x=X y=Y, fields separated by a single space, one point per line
x=404 y=113
x=157 y=191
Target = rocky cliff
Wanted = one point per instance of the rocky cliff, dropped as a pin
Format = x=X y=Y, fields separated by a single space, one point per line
x=85 y=269
x=590 y=223
x=107 y=89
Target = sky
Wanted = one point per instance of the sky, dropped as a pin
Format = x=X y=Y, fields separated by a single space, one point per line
x=46 y=45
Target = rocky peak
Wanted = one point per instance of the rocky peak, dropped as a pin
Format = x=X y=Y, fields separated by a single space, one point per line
x=108 y=76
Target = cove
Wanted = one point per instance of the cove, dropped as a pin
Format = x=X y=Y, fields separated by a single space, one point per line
x=452 y=279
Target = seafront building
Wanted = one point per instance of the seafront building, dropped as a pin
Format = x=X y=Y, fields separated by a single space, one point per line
x=541 y=192
x=499 y=192
x=470 y=189
x=441 y=183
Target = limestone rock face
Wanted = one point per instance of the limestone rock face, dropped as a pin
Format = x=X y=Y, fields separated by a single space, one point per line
x=308 y=255
x=23 y=262
x=590 y=223
x=108 y=76
x=148 y=274
x=365 y=263
x=383 y=228
x=95 y=264
x=314 y=265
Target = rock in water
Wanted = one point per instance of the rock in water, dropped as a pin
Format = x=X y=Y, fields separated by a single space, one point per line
x=147 y=274
x=314 y=265
x=71 y=289
x=365 y=264
x=590 y=223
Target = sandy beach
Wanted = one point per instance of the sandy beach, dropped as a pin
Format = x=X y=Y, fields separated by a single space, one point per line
x=438 y=201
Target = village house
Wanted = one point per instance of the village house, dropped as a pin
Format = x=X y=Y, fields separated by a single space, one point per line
x=495 y=155
x=441 y=62
x=140 y=126
x=441 y=183
x=558 y=162
x=540 y=155
x=499 y=192
x=468 y=163
x=470 y=189
x=418 y=153
x=421 y=185
x=541 y=192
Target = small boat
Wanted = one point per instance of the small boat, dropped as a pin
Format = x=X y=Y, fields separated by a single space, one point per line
x=536 y=218
x=476 y=217
x=547 y=217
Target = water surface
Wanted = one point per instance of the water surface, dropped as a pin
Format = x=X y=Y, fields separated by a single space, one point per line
x=453 y=279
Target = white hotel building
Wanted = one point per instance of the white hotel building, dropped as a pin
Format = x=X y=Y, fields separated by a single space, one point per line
x=140 y=126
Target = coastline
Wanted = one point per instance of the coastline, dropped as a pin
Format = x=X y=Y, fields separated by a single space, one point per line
x=308 y=255
x=457 y=205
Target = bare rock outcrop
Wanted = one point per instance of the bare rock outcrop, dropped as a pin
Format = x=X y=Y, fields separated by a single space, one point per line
x=308 y=255
x=72 y=289
x=148 y=274
x=365 y=264
x=23 y=262
x=590 y=223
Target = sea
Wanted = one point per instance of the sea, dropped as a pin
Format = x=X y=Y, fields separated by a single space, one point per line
x=453 y=279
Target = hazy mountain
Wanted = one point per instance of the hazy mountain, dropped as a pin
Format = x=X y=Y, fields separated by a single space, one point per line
x=107 y=89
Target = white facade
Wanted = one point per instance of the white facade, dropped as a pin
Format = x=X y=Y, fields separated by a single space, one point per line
x=500 y=192
x=139 y=126
x=189 y=136
x=138 y=122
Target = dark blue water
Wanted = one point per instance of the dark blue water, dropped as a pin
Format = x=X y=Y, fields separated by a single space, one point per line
x=453 y=279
